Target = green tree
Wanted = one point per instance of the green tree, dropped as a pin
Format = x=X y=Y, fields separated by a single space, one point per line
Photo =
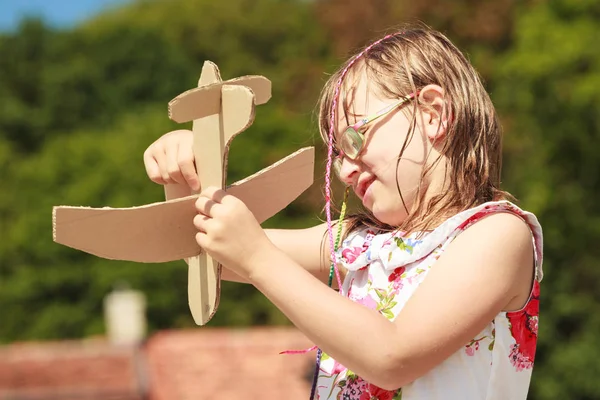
x=547 y=86
x=99 y=99
x=52 y=82
x=80 y=106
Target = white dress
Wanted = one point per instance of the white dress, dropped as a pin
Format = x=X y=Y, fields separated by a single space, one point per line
x=385 y=269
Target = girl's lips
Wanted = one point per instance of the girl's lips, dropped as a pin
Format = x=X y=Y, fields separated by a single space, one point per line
x=362 y=187
x=367 y=193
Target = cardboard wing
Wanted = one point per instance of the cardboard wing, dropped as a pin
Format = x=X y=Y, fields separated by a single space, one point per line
x=164 y=231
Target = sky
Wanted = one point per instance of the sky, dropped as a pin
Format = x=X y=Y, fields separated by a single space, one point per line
x=58 y=13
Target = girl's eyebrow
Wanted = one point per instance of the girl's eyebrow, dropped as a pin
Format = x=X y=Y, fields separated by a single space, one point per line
x=346 y=118
x=347 y=114
x=354 y=115
x=345 y=109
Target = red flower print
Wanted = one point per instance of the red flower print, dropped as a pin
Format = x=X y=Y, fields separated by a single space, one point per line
x=376 y=393
x=352 y=388
x=473 y=346
x=368 y=239
x=350 y=254
x=394 y=276
x=523 y=327
x=395 y=279
x=396 y=286
x=337 y=368
x=472 y=219
x=518 y=360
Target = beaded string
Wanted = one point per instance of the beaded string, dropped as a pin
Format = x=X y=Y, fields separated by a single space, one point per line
x=331 y=134
x=329 y=283
x=339 y=235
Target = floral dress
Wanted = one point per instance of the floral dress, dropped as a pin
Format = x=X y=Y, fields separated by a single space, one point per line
x=385 y=269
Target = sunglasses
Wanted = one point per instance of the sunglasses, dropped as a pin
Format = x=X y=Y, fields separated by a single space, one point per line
x=352 y=141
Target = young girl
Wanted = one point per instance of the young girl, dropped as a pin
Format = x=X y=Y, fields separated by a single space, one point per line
x=441 y=274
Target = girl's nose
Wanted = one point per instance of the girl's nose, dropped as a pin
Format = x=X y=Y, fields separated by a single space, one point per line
x=349 y=170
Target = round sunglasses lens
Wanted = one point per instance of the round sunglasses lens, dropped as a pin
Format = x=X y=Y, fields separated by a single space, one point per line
x=351 y=143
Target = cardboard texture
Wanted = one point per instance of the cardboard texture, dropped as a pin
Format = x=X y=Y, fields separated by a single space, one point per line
x=164 y=231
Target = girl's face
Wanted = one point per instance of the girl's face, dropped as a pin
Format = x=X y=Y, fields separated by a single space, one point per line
x=376 y=175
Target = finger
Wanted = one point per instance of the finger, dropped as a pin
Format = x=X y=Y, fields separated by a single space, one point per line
x=161 y=160
x=200 y=222
x=214 y=193
x=185 y=160
x=152 y=169
x=173 y=166
x=202 y=240
x=204 y=205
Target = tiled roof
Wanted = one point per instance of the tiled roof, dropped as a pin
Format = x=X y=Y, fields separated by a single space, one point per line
x=203 y=363
x=87 y=369
x=229 y=364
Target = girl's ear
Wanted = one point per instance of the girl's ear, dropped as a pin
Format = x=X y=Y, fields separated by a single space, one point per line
x=434 y=112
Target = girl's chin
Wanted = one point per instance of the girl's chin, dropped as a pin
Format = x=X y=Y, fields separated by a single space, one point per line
x=388 y=217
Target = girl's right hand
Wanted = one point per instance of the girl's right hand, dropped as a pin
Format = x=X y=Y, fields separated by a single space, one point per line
x=170 y=159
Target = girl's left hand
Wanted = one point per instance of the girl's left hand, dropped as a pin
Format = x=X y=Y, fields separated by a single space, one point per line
x=228 y=231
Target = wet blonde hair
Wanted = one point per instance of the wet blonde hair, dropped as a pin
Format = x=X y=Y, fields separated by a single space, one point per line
x=404 y=63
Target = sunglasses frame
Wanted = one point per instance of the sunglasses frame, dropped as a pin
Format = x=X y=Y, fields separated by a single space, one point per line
x=358 y=138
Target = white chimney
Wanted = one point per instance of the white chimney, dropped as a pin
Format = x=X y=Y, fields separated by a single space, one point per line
x=125 y=316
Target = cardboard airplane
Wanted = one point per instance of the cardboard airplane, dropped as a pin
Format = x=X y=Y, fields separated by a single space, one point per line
x=164 y=231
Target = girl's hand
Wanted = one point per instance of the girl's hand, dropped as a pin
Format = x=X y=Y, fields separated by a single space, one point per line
x=170 y=159
x=228 y=232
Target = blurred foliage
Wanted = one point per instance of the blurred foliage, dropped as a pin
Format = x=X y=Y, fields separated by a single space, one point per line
x=547 y=85
x=80 y=106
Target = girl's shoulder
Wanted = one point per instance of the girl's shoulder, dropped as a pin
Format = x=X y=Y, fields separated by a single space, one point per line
x=457 y=224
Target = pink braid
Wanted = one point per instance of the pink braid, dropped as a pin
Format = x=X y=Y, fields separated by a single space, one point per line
x=336 y=95
x=328 y=193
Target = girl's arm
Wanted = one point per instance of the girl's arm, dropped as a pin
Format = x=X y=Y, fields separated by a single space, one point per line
x=309 y=248
x=486 y=269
